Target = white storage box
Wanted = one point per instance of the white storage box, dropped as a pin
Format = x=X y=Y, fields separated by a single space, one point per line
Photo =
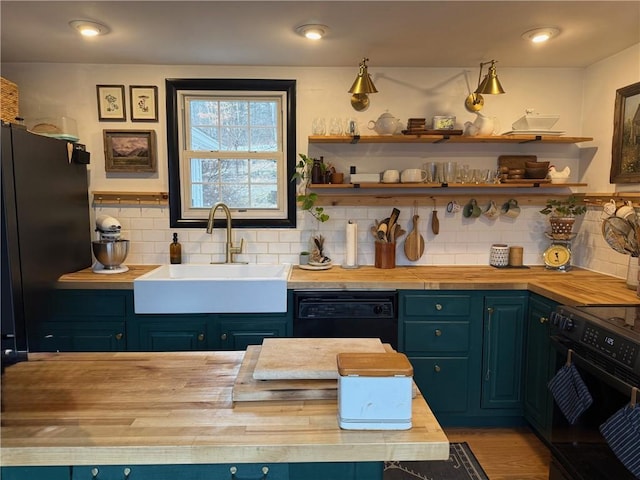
x=374 y=391
x=365 y=178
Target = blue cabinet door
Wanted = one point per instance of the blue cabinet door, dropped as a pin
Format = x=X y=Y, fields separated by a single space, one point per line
x=169 y=333
x=502 y=362
x=539 y=364
x=336 y=471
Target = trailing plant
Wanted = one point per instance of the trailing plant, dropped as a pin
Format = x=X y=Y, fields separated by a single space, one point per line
x=308 y=199
x=567 y=207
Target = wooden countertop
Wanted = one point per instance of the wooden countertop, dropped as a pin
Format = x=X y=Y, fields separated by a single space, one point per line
x=176 y=408
x=575 y=287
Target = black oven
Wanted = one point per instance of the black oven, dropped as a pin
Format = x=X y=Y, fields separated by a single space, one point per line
x=607 y=359
x=346 y=314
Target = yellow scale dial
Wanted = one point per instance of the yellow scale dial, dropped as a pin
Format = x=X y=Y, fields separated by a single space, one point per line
x=557 y=256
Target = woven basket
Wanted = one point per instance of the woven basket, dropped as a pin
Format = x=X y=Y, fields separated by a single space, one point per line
x=8 y=101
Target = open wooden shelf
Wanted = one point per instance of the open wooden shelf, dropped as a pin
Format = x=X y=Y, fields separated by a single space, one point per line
x=550 y=139
x=442 y=187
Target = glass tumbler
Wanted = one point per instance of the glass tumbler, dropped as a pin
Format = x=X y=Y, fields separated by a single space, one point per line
x=318 y=126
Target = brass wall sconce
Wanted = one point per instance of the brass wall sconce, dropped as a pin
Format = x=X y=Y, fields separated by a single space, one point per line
x=361 y=88
x=490 y=85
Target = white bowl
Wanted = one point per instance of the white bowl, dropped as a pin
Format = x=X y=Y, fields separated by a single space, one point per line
x=535 y=121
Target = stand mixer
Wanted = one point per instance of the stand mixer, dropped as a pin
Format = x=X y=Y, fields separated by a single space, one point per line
x=110 y=250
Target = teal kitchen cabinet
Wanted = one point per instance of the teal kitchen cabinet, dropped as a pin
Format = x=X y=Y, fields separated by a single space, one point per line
x=82 y=321
x=539 y=365
x=435 y=332
x=170 y=333
x=503 y=351
x=276 y=471
x=35 y=473
x=466 y=348
x=238 y=331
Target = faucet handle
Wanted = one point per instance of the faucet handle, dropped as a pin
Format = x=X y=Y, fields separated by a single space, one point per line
x=239 y=249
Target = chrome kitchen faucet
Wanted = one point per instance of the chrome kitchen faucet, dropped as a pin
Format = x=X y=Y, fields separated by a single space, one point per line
x=230 y=249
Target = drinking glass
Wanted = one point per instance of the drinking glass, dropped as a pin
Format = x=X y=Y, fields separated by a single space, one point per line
x=335 y=126
x=451 y=172
x=318 y=126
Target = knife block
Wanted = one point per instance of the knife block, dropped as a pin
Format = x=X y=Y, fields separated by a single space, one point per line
x=374 y=391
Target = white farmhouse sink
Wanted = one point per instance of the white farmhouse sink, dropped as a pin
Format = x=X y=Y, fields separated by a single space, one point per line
x=212 y=288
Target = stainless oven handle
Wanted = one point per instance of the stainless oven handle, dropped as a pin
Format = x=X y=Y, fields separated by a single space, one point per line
x=622 y=387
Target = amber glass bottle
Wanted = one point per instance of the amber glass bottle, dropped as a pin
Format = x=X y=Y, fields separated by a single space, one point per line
x=175 y=250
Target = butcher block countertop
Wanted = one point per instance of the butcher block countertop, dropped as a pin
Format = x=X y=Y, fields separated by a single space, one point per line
x=575 y=287
x=176 y=408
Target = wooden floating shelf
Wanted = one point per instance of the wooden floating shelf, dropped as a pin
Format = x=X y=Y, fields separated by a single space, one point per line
x=130 y=199
x=551 y=139
x=438 y=186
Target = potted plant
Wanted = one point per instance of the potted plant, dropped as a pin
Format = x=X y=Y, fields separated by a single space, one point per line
x=563 y=213
x=308 y=199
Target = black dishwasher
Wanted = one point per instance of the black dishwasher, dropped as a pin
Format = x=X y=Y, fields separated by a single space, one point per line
x=346 y=314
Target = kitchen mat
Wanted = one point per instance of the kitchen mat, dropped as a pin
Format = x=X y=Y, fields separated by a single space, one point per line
x=461 y=465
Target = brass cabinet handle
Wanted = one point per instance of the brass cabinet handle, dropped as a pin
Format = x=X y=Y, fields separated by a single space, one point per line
x=119 y=336
x=544 y=319
x=438 y=306
x=438 y=332
x=223 y=336
x=201 y=337
x=436 y=368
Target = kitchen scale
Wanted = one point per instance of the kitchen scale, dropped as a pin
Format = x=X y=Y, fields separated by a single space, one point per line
x=557 y=256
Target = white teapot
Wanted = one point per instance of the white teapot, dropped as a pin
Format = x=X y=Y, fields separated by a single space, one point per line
x=386 y=124
x=482 y=125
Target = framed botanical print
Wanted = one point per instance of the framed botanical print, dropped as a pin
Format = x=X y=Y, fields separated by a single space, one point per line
x=625 y=149
x=132 y=151
x=111 y=105
x=144 y=103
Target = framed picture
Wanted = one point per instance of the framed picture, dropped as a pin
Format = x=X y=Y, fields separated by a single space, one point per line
x=131 y=151
x=625 y=151
x=111 y=105
x=144 y=103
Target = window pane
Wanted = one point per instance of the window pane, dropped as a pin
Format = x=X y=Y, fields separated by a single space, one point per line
x=264 y=171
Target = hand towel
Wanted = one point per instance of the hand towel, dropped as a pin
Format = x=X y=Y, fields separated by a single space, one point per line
x=570 y=392
x=622 y=433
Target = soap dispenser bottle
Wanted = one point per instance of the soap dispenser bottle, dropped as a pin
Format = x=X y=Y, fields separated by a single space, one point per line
x=175 y=250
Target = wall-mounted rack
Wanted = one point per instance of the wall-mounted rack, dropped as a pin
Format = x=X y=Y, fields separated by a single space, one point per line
x=130 y=199
x=599 y=199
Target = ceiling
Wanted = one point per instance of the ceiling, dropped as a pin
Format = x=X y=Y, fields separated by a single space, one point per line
x=391 y=33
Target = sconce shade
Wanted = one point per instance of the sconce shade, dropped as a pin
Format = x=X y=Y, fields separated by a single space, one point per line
x=490 y=84
x=363 y=82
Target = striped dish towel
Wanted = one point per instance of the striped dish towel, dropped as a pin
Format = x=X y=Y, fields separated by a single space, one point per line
x=570 y=392
x=622 y=433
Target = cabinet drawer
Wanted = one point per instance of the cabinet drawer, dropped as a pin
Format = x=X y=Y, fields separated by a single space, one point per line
x=436 y=336
x=443 y=382
x=437 y=305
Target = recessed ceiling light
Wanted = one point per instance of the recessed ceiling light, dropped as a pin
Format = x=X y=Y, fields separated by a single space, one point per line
x=312 y=31
x=540 y=35
x=88 y=28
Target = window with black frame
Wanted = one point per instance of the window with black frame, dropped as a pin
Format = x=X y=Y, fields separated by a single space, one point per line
x=231 y=141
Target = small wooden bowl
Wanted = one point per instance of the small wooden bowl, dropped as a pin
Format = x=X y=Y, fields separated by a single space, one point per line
x=544 y=165
x=516 y=171
x=535 y=172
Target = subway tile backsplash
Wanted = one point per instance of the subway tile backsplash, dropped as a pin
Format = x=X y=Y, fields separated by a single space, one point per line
x=462 y=241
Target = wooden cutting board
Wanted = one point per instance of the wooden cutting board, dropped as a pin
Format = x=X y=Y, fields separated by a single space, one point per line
x=307 y=358
x=248 y=389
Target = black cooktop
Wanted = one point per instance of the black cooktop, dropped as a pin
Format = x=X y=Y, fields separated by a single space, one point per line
x=626 y=317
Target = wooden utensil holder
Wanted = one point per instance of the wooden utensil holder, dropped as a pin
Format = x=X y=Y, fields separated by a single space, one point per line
x=385 y=255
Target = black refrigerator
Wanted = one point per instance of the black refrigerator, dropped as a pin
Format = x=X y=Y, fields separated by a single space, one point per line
x=45 y=229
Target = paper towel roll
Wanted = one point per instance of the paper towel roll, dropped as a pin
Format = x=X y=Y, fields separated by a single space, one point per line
x=352 y=244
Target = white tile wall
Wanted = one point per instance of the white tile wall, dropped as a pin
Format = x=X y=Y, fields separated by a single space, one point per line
x=461 y=241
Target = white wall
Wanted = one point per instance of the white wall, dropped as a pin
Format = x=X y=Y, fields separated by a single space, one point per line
x=54 y=89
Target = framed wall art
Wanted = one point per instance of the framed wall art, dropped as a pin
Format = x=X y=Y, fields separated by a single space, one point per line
x=130 y=151
x=625 y=150
x=111 y=106
x=144 y=103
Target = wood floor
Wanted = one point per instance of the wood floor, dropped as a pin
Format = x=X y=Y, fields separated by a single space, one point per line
x=506 y=453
